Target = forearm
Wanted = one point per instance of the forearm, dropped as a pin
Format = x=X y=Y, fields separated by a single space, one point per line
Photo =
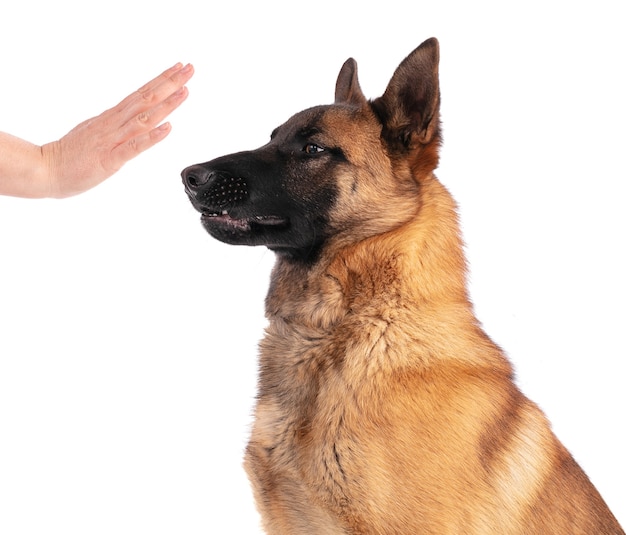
x=23 y=170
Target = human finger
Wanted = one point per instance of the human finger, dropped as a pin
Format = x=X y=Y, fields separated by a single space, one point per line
x=147 y=87
x=158 y=79
x=138 y=144
x=154 y=91
x=148 y=119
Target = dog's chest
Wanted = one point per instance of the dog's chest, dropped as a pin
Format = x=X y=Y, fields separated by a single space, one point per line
x=305 y=454
x=314 y=385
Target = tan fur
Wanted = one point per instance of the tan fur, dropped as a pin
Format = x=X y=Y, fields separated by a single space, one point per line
x=383 y=407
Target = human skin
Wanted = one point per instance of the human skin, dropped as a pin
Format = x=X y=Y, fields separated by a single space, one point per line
x=97 y=148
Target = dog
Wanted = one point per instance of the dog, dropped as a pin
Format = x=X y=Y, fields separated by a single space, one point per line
x=383 y=407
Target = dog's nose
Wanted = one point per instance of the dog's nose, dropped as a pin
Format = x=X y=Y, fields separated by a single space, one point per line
x=196 y=176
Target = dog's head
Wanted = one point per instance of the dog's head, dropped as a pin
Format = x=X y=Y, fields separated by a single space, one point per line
x=331 y=174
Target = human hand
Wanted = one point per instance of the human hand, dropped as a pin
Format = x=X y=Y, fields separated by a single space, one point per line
x=98 y=147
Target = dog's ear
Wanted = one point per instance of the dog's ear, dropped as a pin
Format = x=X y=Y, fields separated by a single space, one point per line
x=347 y=88
x=409 y=108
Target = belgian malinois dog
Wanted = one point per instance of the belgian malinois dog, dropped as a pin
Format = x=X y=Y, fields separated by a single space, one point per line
x=383 y=407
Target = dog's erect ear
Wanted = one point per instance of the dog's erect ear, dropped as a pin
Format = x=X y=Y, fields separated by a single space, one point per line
x=347 y=89
x=409 y=108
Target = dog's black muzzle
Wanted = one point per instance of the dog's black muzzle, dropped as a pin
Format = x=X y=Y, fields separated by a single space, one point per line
x=259 y=198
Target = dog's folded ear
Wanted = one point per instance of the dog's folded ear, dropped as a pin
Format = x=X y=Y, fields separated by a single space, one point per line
x=409 y=108
x=347 y=88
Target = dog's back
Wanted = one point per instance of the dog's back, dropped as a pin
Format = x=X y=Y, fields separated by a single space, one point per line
x=383 y=407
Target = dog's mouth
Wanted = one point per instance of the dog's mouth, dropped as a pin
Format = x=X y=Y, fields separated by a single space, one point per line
x=227 y=220
x=239 y=227
x=235 y=213
x=223 y=200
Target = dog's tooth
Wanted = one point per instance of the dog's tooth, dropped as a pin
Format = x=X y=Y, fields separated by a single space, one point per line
x=224 y=212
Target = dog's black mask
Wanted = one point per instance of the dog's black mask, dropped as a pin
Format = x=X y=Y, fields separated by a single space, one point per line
x=279 y=195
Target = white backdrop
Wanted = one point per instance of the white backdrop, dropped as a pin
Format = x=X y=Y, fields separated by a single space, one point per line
x=128 y=336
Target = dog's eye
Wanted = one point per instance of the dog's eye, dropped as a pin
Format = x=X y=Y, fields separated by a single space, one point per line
x=312 y=148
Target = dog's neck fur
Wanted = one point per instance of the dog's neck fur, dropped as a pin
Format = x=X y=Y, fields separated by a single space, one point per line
x=407 y=292
x=332 y=289
x=349 y=280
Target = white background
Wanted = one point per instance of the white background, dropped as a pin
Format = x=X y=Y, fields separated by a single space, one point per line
x=128 y=336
